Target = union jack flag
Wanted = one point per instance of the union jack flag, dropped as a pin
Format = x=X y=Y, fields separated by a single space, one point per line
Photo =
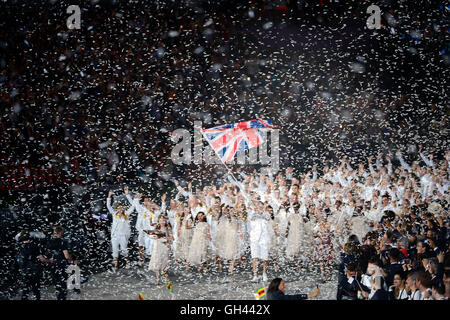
x=229 y=139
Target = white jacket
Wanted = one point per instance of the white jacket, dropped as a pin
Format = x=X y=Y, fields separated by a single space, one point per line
x=120 y=225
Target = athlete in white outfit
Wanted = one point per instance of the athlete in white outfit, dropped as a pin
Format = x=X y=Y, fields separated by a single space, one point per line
x=139 y=223
x=120 y=230
x=259 y=238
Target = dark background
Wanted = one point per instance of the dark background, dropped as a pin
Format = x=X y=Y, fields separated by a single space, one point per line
x=83 y=111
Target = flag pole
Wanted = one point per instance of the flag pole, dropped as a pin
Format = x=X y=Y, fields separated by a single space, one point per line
x=228 y=169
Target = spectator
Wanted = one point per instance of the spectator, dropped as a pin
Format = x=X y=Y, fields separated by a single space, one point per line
x=394 y=267
x=348 y=287
x=411 y=286
x=438 y=291
x=447 y=283
x=423 y=283
x=398 y=288
x=380 y=293
x=350 y=255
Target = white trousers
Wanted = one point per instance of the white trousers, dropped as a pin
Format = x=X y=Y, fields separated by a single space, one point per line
x=119 y=243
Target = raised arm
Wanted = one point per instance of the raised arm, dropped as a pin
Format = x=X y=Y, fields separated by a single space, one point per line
x=137 y=205
x=378 y=162
x=404 y=165
x=130 y=200
x=428 y=161
x=177 y=196
x=369 y=160
x=130 y=209
x=108 y=203
x=389 y=165
x=182 y=192
x=134 y=202
x=314 y=168
x=239 y=185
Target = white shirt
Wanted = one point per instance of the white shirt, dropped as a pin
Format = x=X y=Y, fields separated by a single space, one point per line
x=417 y=295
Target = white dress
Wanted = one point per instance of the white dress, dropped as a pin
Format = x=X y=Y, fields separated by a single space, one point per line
x=244 y=239
x=173 y=216
x=199 y=248
x=213 y=227
x=184 y=240
x=308 y=244
x=295 y=235
x=160 y=255
x=282 y=220
x=273 y=247
x=228 y=239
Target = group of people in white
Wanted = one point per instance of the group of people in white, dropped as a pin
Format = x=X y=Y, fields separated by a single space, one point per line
x=276 y=219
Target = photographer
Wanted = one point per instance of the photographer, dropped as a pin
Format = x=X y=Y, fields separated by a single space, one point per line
x=380 y=293
x=348 y=287
x=373 y=269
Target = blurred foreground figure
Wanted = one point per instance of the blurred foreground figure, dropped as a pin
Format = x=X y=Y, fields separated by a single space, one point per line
x=60 y=259
x=276 y=290
x=29 y=258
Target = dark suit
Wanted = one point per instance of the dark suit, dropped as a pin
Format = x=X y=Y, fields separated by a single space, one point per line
x=30 y=269
x=349 y=291
x=382 y=294
x=56 y=246
x=344 y=261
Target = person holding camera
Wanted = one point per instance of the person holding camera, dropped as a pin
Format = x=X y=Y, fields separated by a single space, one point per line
x=380 y=293
x=348 y=287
